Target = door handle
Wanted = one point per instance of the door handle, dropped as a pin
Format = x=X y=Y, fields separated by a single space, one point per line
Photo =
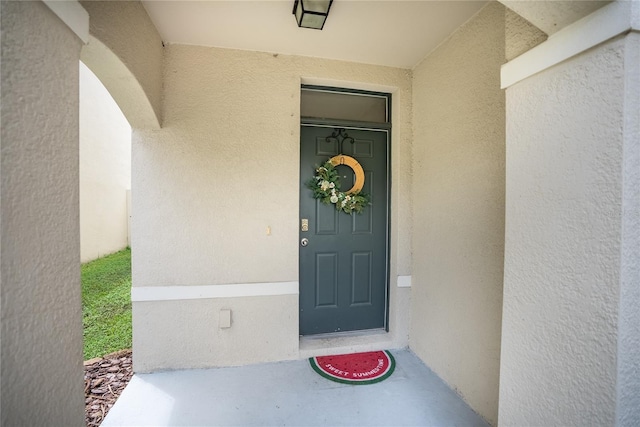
x=304 y=242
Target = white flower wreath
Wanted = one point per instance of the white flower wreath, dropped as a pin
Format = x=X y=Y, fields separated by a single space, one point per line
x=326 y=187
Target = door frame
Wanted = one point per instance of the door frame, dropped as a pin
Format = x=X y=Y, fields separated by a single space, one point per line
x=366 y=126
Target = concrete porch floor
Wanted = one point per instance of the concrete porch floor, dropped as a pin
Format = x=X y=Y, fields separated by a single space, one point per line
x=290 y=394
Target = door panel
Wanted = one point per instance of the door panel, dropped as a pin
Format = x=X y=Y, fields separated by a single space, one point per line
x=326 y=283
x=361 y=278
x=343 y=269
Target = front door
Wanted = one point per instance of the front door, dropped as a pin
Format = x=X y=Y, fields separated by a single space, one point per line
x=343 y=265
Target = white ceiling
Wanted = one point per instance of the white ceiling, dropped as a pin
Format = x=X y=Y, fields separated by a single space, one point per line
x=398 y=33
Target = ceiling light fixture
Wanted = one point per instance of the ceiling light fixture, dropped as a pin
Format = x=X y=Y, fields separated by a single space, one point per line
x=311 y=13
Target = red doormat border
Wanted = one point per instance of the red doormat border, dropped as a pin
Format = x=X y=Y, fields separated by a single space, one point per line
x=338 y=368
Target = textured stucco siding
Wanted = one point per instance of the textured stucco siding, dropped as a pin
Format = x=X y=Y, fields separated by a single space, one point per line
x=563 y=235
x=628 y=387
x=173 y=334
x=105 y=170
x=225 y=166
x=520 y=35
x=458 y=196
x=553 y=16
x=41 y=355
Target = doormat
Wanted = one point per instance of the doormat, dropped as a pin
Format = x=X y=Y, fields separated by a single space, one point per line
x=356 y=368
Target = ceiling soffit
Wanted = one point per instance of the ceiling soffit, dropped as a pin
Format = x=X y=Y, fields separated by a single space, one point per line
x=392 y=33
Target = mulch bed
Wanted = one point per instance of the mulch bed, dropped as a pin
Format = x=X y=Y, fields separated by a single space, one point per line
x=104 y=379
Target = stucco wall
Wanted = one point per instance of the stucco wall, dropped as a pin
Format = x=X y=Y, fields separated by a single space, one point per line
x=628 y=387
x=458 y=193
x=564 y=210
x=257 y=324
x=520 y=35
x=41 y=356
x=552 y=16
x=224 y=167
x=105 y=170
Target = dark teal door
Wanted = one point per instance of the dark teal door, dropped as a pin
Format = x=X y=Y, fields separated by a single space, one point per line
x=343 y=267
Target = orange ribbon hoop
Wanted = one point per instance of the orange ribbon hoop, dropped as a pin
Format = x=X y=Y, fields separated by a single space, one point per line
x=357 y=169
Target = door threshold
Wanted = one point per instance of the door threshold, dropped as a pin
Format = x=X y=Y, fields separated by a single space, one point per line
x=344 y=343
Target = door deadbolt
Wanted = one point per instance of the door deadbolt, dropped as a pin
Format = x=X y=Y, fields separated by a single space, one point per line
x=304 y=242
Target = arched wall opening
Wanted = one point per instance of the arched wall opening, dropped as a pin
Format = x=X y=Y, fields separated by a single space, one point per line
x=121 y=64
x=121 y=83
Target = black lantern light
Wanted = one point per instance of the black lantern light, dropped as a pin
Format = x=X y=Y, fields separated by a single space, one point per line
x=311 y=13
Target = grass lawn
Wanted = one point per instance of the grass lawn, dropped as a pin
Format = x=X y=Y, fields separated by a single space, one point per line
x=106 y=304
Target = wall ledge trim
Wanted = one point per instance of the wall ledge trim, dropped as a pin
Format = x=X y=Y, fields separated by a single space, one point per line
x=604 y=24
x=404 y=281
x=72 y=14
x=171 y=293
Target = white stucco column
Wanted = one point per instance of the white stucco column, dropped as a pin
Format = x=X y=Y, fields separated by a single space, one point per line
x=41 y=352
x=571 y=328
